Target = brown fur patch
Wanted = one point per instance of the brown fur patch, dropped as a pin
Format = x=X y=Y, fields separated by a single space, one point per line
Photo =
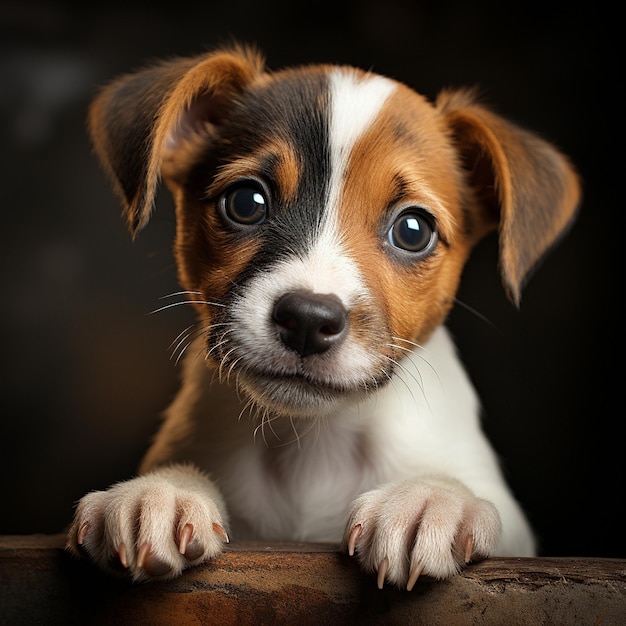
x=285 y=172
x=405 y=143
x=208 y=257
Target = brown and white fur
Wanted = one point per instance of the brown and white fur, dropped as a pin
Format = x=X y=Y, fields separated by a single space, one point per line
x=324 y=217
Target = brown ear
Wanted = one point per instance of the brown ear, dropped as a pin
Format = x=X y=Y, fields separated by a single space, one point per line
x=525 y=186
x=137 y=118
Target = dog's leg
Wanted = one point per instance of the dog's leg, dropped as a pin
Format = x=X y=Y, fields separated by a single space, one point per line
x=432 y=526
x=153 y=526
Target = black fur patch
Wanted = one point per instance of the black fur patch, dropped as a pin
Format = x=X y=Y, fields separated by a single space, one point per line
x=293 y=109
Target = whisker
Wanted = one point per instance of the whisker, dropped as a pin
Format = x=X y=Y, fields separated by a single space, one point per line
x=261 y=427
x=223 y=361
x=315 y=423
x=268 y=420
x=189 y=333
x=393 y=383
x=177 y=352
x=297 y=436
x=223 y=340
x=417 y=354
x=202 y=352
x=417 y=380
x=180 y=293
x=182 y=351
x=410 y=352
x=188 y=338
x=386 y=373
x=248 y=406
x=472 y=310
x=407 y=350
x=411 y=343
x=186 y=330
x=232 y=365
x=256 y=430
x=295 y=432
x=183 y=302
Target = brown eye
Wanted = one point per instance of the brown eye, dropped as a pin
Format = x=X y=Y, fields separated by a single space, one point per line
x=412 y=231
x=245 y=203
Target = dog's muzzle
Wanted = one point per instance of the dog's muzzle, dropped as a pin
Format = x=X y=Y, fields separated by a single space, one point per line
x=297 y=353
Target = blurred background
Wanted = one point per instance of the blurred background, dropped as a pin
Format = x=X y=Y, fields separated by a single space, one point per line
x=85 y=368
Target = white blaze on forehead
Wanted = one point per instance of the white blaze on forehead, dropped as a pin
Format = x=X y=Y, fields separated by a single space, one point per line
x=355 y=102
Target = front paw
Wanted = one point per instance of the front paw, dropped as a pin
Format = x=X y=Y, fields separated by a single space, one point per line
x=432 y=527
x=151 y=527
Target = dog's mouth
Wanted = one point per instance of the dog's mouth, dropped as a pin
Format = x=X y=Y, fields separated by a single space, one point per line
x=299 y=393
x=300 y=380
x=295 y=395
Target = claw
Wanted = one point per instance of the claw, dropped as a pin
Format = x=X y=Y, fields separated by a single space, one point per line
x=121 y=554
x=143 y=554
x=82 y=533
x=416 y=572
x=189 y=546
x=355 y=533
x=185 y=537
x=152 y=565
x=469 y=548
x=218 y=529
x=382 y=572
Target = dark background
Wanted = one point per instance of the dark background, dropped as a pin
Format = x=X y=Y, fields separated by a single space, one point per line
x=86 y=370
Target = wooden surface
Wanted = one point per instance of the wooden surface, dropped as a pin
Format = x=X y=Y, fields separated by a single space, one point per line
x=257 y=584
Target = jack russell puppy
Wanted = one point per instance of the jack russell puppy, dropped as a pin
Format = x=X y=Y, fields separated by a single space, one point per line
x=324 y=215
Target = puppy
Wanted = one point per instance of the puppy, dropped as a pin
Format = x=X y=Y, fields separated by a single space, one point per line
x=324 y=215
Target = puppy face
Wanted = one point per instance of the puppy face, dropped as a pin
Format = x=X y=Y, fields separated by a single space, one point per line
x=324 y=214
x=342 y=189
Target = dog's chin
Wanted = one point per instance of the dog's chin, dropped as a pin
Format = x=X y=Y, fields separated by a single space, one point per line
x=296 y=395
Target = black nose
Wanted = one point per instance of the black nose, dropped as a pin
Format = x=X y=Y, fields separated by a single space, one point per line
x=310 y=322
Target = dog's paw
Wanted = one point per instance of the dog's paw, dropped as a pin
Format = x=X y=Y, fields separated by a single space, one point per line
x=432 y=527
x=151 y=527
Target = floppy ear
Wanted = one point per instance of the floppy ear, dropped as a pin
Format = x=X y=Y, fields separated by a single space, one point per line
x=138 y=118
x=526 y=188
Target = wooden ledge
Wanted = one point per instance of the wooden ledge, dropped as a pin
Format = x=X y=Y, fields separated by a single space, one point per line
x=254 y=583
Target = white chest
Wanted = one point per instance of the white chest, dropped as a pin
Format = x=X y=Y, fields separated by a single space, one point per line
x=296 y=490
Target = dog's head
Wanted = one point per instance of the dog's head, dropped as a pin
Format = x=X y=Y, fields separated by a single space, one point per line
x=324 y=214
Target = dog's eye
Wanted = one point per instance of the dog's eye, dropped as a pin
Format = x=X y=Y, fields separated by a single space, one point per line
x=245 y=204
x=412 y=231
